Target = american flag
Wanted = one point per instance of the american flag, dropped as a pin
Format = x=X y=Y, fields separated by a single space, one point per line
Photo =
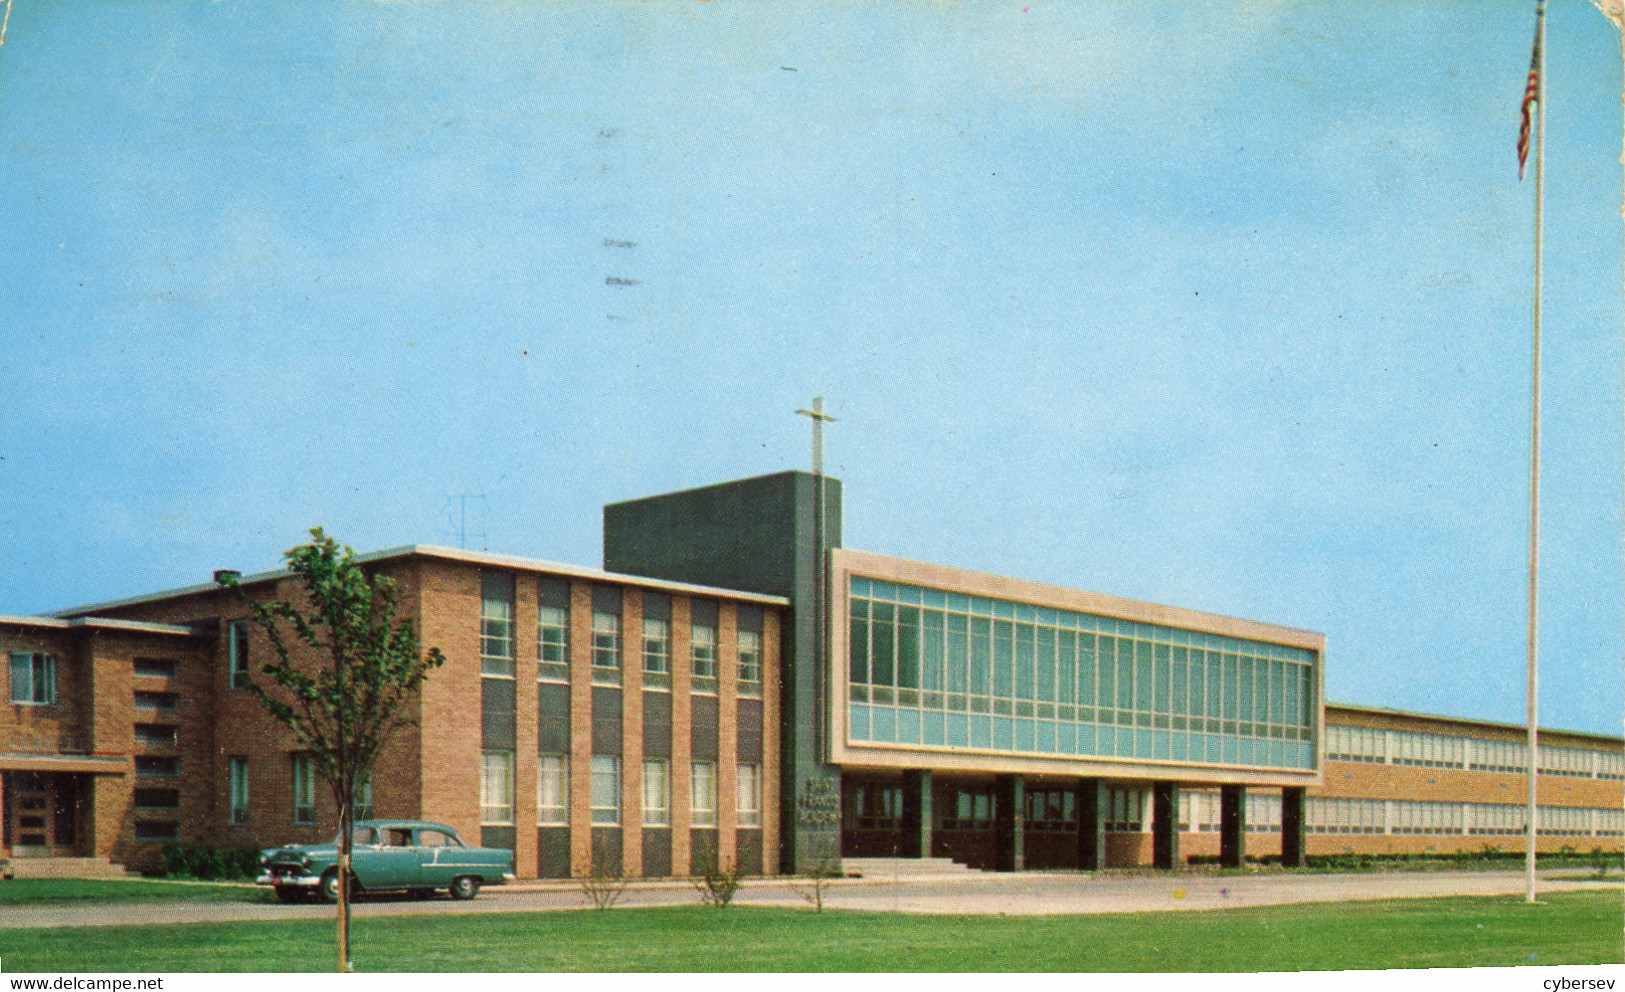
x=1531 y=92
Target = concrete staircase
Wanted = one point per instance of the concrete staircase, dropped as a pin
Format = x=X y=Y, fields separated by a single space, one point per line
x=907 y=869
x=62 y=868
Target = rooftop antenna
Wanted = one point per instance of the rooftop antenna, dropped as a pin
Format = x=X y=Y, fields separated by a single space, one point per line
x=818 y=418
x=461 y=520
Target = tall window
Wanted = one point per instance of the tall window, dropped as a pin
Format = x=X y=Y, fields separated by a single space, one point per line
x=552 y=789
x=496 y=624
x=362 y=800
x=606 y=790
x=703 y=644
x=606 y=640
x=33 y=678
x=656 y=794
x=703 y=794
x=750 y=656
x=750 y=796
x=496 y=787
x=656 y=646
x=304 y=789
x=237 y=652
x=239 y=791
x=553 y=641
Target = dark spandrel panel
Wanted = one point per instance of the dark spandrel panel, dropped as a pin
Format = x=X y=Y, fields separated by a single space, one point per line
x=606 y=850
x=496 y=585
x=656 y=606
x=750 y=731
x=750 y=617
x=497 y=714
x=606 y=599
x=703 y=731
x=553 y=718
x=657 y=724
x=553 y=852
x=748 y=851
x=656 y=852
x=702 y=851
x=704 y=612
x=553 y=592
x=606 y=721
x=497 y=837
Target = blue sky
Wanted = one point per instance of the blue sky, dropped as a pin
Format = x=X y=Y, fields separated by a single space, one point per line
x=1214 y=304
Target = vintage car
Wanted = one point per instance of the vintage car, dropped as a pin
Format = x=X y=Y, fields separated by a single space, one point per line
x=409 y=855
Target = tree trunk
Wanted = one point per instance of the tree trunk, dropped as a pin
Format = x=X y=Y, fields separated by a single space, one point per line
x=345 y=840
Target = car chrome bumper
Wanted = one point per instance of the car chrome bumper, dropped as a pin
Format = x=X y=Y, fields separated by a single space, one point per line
x=305 y=881
x=508 y=877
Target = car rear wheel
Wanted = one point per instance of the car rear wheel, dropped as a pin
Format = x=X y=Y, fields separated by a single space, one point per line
x=465 y=887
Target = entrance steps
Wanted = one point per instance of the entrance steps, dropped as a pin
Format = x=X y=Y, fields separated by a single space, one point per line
x=907 y=869
x=63 y=868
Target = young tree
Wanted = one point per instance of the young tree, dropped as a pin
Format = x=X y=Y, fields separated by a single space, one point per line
x=347 y=694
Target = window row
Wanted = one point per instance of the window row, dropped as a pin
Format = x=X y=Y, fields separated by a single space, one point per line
x=1399 y=747
x=1379 y=816
x=606 y=649
x=305 y=771
x=914 y=656
x=553 y=791
x=1199 y=812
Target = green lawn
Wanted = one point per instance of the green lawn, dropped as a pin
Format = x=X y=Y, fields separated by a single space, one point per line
x=1572 y=928
x=44 y=891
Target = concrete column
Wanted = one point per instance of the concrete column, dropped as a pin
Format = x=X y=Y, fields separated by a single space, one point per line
x=1092 y=797
x=1232 y=825
x=916 y=814
x=1009 y=800
x=1165 y=825
x=1292 y=824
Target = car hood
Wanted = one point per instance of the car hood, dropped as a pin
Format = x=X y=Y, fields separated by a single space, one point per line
x=296 y=852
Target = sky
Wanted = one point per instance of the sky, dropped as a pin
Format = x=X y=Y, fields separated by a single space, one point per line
x=1217 y=304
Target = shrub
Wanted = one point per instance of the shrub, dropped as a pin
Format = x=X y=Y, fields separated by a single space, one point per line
x=210 y=864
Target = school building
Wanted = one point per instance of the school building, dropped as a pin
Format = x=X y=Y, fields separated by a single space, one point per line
x=735 y=688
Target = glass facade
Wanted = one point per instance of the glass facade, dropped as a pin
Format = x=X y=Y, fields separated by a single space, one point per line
x=935 y=668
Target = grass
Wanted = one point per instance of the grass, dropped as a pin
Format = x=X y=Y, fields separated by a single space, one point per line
x=1570 y=928
x=61 y=891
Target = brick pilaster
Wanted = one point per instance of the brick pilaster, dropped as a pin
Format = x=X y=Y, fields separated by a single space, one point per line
x=727 y=735
x=682 y=722
x=524 y=759
x=580 y=728
x=631 y=733
x=771 y=681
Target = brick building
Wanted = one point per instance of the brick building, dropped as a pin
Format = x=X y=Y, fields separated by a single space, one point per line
x=738 y=689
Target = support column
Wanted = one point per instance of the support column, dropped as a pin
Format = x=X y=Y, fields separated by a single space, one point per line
x=1091 y=801
x=1292 y=824
x=1010 y=801
x=916 y=814
x=1232 y=825
x=1165 y=825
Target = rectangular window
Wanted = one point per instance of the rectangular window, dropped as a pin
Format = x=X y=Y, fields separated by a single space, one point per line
x=749 y=796
x=33 y=678
x=148 y=766
x=656 y=646
x=606 y=641
x=703 y=650
x=496 y=624
x=656 y=794
x=496 y=787
x=553 y=789
x=750 y=659
x=155 y=733
x=304 y=789
x=157 y=798
x=166 y=701
x=703 y=794
x=157 y=668
x=606 y=790
x=239 y=791
x=553 y=644
x=362 y=800
x=147 y=830
x=237 y=652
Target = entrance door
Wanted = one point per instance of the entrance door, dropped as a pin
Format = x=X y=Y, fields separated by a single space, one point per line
x=871 y=819
x=42 y=814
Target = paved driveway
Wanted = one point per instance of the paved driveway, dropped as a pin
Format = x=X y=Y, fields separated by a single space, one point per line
x=1034 y=893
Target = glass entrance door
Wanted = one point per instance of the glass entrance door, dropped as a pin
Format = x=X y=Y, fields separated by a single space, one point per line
x=42 y=814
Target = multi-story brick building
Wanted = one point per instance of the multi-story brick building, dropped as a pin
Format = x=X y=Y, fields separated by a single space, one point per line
x=740 y=690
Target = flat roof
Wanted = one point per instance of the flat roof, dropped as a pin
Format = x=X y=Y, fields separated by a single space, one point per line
x=450 y=554
x=101 y=623
x=1471 y=721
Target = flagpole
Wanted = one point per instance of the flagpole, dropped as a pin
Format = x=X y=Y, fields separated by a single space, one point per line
x=1532 y=825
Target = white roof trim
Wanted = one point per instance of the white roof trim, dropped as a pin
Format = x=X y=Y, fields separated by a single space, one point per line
x=453 y=554
x=100 y=623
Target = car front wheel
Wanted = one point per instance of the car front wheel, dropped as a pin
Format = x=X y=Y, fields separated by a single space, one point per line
x=465 y=887
x=330 y=886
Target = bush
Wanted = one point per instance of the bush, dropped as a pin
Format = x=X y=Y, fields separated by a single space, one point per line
x=209 y=864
